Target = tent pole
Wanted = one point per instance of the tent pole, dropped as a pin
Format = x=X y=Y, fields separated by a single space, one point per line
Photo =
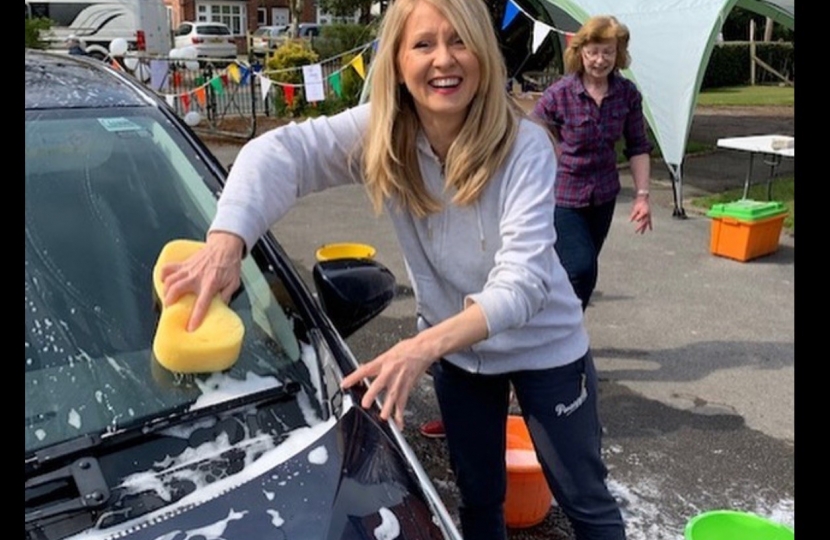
x=677 y=191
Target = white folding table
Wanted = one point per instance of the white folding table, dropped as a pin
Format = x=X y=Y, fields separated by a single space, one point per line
x=771 y=147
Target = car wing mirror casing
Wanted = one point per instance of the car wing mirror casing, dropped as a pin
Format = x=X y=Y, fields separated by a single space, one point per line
x=352 y=292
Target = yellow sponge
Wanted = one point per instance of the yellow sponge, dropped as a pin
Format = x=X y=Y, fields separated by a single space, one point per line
x=214 y=345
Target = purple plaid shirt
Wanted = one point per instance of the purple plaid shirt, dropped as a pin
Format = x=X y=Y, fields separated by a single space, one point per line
x=586 y=172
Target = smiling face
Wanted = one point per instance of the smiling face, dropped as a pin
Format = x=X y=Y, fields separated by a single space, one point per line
x=599 y=58
x=438 y=69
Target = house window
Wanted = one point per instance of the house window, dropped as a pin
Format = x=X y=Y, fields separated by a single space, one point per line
x=232 y=14
x=261 y=16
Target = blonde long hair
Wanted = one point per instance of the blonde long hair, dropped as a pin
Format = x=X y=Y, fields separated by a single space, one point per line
x=390 y=155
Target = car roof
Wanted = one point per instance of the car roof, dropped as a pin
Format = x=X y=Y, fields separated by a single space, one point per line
x=55 y=80
x=204 y=23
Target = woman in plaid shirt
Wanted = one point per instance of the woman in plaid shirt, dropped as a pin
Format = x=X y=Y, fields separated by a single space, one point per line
x=588 y=111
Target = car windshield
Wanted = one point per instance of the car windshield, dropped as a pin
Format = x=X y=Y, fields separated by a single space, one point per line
x=106 y=189
x=213 y=30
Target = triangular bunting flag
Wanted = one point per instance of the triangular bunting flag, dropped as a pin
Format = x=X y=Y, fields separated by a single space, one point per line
x=265 y=85
x=334 y=81
x=510 y=12
x=200 y=96
x=233 y=72
x=170 y=100
x=245 y=76
x=288 y=91
x=217 y=85
x=185 y=99
x=177 y=79
x=540 y=32
x=357 y=64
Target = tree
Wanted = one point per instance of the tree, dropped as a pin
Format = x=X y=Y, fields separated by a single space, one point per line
x=34 y=28
x=736 y=27
x=295 y=9
x=347 y=8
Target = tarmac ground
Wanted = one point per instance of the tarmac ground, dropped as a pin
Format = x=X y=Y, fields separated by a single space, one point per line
x=695 y=351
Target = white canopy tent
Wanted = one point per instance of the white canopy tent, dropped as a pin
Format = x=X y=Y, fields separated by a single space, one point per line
x=671 y=41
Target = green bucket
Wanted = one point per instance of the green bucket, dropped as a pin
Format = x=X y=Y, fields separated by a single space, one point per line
x=732 y=525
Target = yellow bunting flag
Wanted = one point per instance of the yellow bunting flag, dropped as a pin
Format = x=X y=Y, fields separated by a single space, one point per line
x=200 y=96
x=357 y=64
x=233 y=71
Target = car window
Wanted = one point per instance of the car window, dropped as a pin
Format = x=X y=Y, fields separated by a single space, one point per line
x=213 y=30
x=104 y=192
x=183 y=30
x=261 y=31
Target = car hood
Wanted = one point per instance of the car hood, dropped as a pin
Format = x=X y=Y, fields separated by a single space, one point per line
x=343 y=480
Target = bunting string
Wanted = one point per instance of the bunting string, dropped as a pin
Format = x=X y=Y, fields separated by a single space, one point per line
x=240 y=73
x=540 y=29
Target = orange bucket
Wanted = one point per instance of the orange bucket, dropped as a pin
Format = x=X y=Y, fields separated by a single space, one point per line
x=528 y=498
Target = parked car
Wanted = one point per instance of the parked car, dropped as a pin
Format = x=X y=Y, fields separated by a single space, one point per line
x=305 y=30
x=210 y=39
x=116 y=446
x=267 y=38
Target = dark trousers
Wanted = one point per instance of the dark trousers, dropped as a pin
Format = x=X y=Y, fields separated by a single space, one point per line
x=580 y=233
x=559 y=406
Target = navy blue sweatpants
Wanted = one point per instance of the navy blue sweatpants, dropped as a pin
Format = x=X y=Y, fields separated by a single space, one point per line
x=559 y=406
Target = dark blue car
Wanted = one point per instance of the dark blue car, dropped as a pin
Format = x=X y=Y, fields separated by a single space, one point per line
x=116 y=446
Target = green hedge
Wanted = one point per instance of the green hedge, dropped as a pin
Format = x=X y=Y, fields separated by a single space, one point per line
x=729 y=64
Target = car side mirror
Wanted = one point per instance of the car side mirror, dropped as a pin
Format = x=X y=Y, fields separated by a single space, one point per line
x=352 y=292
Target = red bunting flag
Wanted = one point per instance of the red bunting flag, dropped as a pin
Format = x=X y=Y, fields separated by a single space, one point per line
x=288 y=90
x=185 y=101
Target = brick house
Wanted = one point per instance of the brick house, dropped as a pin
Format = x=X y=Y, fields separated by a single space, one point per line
x=242 y=16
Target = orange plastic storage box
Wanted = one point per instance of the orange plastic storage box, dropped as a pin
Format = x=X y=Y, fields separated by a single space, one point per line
x=746 y=229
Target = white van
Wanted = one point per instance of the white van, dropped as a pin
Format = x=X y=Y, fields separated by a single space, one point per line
x=143 y=23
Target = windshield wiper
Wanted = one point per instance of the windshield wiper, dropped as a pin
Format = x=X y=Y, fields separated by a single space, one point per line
x=87 y=444
x=87 y=482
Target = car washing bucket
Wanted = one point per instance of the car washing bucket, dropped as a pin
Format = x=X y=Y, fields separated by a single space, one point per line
x=733 y=525
x=345 y=250
x=528 y=498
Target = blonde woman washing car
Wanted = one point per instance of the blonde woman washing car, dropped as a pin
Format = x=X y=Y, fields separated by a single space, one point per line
x=466 y=181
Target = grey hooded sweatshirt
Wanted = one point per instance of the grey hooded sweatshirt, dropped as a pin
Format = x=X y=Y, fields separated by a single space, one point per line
x=497 y=252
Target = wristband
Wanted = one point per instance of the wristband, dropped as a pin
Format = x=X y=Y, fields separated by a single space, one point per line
x=642 y=193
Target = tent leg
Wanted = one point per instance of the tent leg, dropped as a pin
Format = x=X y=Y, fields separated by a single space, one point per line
x=677 y=192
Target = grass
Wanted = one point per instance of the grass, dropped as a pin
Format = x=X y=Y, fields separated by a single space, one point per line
x=783 y=190
x=748 y=96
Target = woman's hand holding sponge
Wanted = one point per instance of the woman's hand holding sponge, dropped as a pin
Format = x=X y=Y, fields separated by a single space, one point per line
x=197 y=331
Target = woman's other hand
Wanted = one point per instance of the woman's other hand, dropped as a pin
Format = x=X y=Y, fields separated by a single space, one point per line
x=214 y=269
x=641 y=214
x=395 y=373
x=397 y=370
